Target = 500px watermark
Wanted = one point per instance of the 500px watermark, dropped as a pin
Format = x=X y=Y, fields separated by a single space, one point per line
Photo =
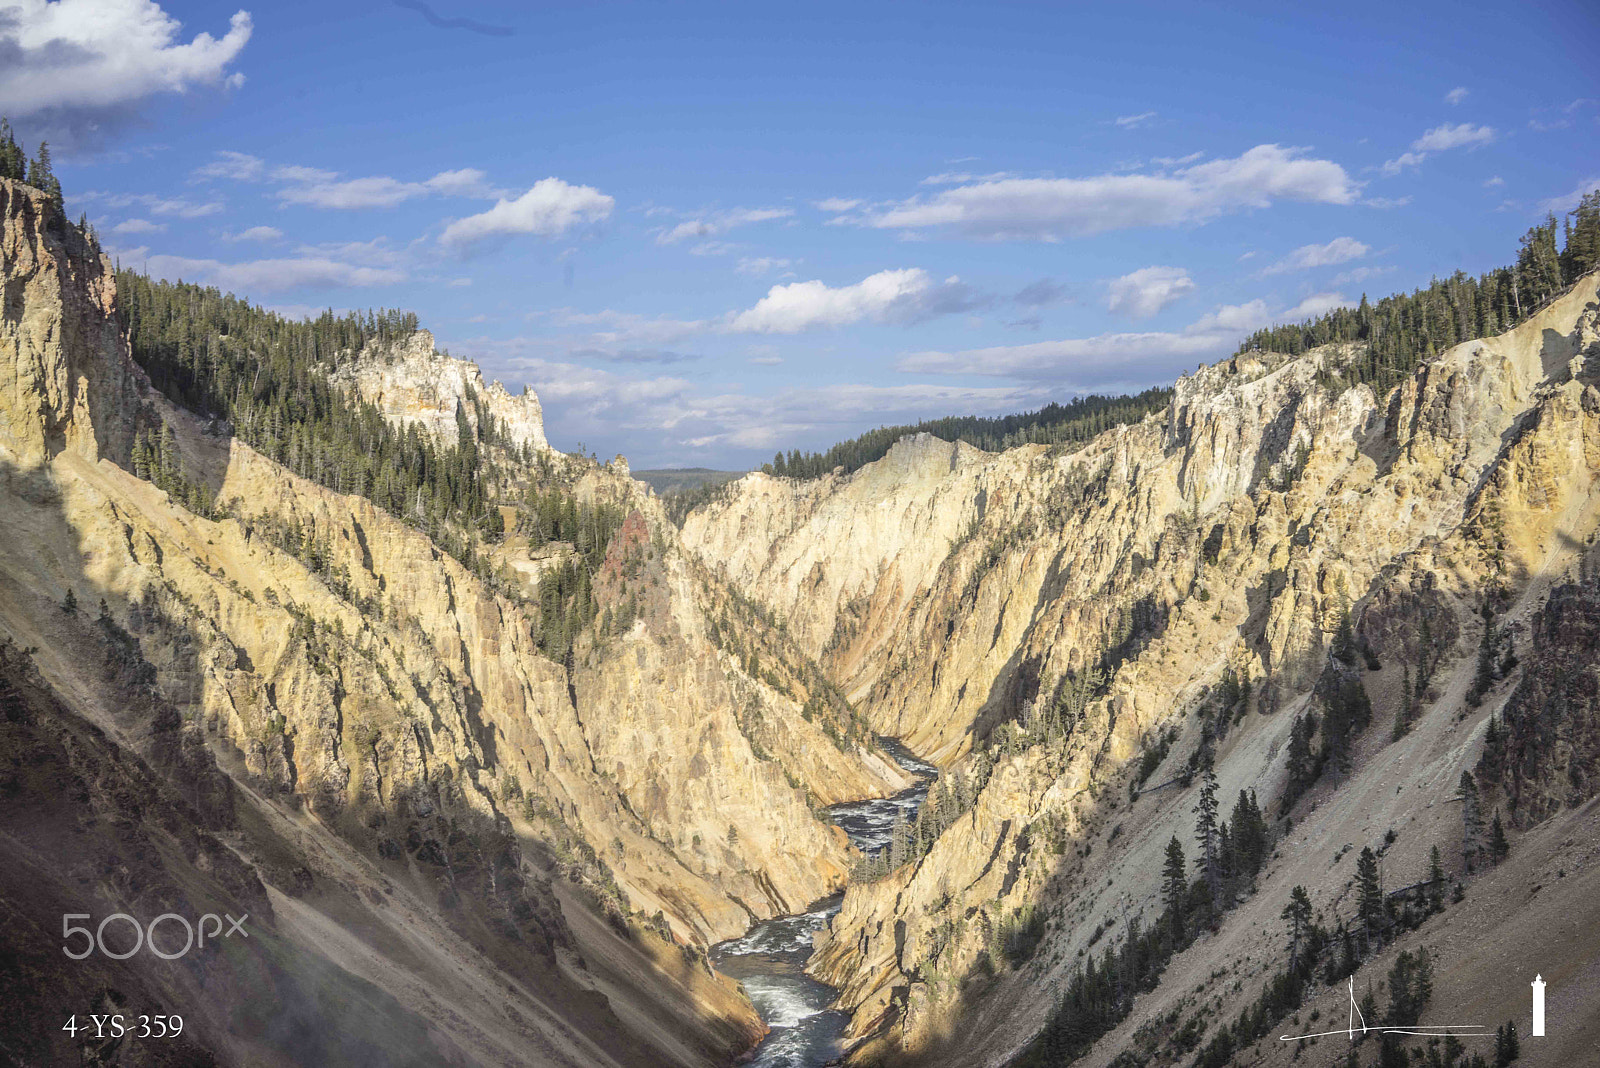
x=144 y=935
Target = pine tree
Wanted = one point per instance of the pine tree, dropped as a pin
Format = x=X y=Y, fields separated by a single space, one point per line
x=1435 y=880
x=69 y=604
x=1483 y=676
x=1499 y=847
x=899 y=836
x=1205 y=833
x=1298 y=913
x=1175 y=884
x=1471 y=821
x=1369 y=893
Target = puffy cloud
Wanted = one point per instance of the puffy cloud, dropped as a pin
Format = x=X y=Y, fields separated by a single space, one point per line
x=1050 y=209
x=1563 y=204
x=1339 y=250
x=1232 y=319
x=1146 y=291
x=138 y=226
x=904 y=295
x=1456 y=95
x=322 y=189
x=551 y=207
x=1394 y=166
x=1133 y=122
x=266 y=276
x=1313 y=306
x=1461 y=135
x=1118 y=359
x=236 y=166
x=1055 y=360
x=79 y=62
x=1440 y=139
x=256 y=233
x=713 y=223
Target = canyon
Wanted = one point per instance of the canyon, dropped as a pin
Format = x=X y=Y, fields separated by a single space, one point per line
x=459 y=843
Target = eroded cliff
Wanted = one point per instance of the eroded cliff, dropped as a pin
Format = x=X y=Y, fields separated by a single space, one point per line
x=1036 y=619
x=525 y=854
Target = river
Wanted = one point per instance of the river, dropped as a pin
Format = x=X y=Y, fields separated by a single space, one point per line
x=770 y=959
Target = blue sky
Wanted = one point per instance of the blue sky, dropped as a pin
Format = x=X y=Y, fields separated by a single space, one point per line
x=705 y=232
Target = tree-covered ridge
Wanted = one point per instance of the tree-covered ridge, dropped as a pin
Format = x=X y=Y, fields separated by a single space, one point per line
x=1076 y=421
x=15 y=164
x=1406 y=329
x=265 y=378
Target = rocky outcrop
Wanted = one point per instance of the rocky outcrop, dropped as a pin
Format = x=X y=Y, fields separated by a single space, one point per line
x=66 y=379
x=411 y=382
x=965 y=599
x=495 y=840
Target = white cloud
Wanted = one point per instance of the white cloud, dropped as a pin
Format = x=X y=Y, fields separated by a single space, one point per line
x=713 y=223
x=1461 y=135
x=466 y=182
x=583 y=401
x=1339 y=250
x=1563 y=204
x=905 y=295
x=1133 y=122
x=1441 y=139
x=1049 y=209
x=1385 y=203
x=766 y=361
x=138 y=226
x=1170 y=161
x=1494 y=183
x=760 y=265
x=788 y=309
x=1401 y=162
x=100 y=56
x=267 y=276
x=156 y=205
x=1060 y=359
x=295 y=173
x=256 y=233
x=236 y=166
x=838 y=204
x=1231 y=319
x=1456 y=95
x=1146 y=291
x=380 y=191
x=1312 y=306
x=1103 y=358
x=551 y=207
x=958 y=178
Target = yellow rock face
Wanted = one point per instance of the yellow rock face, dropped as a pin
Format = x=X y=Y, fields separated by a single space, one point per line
x=948 y=589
